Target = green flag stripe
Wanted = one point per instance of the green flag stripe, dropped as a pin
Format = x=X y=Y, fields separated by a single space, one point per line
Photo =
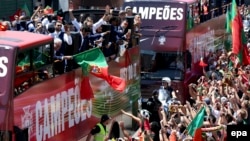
x=92 y=57
x=197 y=122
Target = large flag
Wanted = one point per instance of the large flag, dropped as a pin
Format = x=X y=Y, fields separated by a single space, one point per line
x=228 y=41
x=197 y=122
x=93 y=61
x=235 y=26
x=85 y=89
x=198 y=135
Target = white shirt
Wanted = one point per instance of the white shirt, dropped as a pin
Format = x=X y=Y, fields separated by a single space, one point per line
x=162 y=96
x=66 y=38
x=96 y=25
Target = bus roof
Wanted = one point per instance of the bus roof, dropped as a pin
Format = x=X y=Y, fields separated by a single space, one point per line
x=23 y=39
x=185 y=1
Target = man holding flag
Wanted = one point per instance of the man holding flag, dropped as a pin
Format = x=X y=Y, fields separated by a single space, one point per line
x=93 y=62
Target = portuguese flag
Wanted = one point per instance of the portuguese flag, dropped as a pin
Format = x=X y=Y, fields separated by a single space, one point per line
x=235 y=27
x=93 y=61
x=194 y=128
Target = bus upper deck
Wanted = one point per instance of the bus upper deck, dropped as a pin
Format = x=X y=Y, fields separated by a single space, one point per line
x=17 y=39
x=52 y=107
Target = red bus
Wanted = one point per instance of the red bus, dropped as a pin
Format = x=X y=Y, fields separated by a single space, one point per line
x=166 y=40
x=35 y=106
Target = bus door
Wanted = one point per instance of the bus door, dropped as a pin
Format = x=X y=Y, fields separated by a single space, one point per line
x=6 y=90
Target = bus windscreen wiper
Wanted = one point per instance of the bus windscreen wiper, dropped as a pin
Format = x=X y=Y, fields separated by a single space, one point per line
x=172 y=27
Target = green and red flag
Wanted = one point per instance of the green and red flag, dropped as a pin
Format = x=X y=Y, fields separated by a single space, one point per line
x=48 y=10
x=228 y=41
x=239 y=43
x=228 y=21
x=197 y=123
x=236 y=28
x=93 y=61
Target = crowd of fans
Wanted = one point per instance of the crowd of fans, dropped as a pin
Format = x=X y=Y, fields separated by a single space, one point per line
x=223 y=89
x=119 y=34
x=202 y=11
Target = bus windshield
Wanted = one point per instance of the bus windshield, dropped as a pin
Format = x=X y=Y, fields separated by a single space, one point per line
x=41 y=68
x=155 y=65
x=40 y=57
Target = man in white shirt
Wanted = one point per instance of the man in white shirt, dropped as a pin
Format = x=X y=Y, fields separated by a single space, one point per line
x=88 y=21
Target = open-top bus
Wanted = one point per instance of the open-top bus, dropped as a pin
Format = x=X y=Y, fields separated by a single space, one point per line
x=36 y=105
x=168 y=39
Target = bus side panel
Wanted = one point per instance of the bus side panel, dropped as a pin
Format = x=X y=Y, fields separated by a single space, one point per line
x=6 y=89
x=53 y=110
x=205 y=38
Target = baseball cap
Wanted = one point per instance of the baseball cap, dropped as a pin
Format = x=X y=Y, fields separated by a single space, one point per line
x=105 y=117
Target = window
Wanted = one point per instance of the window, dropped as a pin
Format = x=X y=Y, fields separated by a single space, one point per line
x=156 y=65
x=33 y=66
x=41 y=57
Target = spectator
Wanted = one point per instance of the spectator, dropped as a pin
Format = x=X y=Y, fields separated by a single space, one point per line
x=137 y=26
x=88 y=21
x=40 y=29
x=64 y=36
x=122 y=15
x=59 y=57
x=153 y=105
x=128 y=11
x=87 y=39
x=142 y=121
